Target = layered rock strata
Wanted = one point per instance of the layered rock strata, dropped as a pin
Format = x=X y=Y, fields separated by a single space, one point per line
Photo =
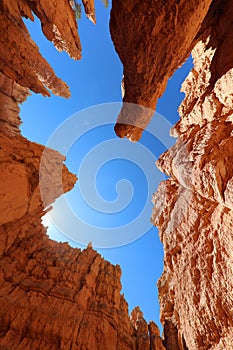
x=51 y=296
x=20 y=57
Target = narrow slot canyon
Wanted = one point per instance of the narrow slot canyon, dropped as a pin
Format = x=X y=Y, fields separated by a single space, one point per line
x=64 y=296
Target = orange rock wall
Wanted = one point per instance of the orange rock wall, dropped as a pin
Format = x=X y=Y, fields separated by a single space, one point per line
x=51 y=295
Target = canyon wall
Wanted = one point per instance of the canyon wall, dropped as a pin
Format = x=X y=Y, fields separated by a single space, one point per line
x=193 y=208
x=56 y=297
x=51 y=296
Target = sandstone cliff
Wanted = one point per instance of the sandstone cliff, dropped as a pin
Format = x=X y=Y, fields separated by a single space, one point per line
x=51 y=296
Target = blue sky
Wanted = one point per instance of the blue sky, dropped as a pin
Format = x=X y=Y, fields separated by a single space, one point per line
x=94 y=80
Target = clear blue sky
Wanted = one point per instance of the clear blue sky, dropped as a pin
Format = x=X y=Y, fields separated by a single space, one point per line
x=94 y=80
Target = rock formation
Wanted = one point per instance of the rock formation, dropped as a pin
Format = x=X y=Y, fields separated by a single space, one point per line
x=51 y=296
x=193 y=208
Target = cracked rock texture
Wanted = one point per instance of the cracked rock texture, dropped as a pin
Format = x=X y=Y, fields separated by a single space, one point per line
x=193 y=209
x=51 y=295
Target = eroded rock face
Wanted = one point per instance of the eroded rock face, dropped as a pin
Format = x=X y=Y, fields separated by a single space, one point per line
x=193 y=209
x=51 y=296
